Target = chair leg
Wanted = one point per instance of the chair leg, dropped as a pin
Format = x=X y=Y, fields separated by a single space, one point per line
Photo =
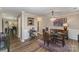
x=44 y=42
x=67 y=38
x=63 y=43
x=47 y=43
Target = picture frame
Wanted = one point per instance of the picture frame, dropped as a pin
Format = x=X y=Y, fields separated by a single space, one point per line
x=30 y=21
x=60 y=22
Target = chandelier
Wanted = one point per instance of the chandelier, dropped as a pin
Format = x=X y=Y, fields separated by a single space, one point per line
x=52 y=18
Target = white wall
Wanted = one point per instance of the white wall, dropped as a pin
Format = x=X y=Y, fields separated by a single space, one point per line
x=26 y=27
x=0 y=23
x=73 y=21
x=19 y=27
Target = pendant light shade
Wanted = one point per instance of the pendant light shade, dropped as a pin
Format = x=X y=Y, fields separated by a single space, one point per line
x=52 y=18
x=39 y=19
x=65 y=24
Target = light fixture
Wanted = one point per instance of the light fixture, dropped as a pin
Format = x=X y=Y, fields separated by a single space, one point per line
x=39 y=19
x=65 y=25
x=52 y=18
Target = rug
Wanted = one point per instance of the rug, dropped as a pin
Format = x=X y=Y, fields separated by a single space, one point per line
x=54 y=47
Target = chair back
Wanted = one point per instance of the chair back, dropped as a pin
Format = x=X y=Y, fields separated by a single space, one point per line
x=45 y=35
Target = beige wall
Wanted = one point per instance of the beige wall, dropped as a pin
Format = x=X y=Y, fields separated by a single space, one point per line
x=73 y=21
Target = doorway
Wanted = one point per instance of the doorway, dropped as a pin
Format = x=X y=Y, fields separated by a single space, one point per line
x=12 y=28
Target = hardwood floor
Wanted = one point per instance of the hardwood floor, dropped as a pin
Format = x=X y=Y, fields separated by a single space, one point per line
x=74 y=45
x=30 y=46
x=33 y=46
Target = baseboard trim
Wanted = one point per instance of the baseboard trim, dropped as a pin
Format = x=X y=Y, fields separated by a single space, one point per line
x=73 y=39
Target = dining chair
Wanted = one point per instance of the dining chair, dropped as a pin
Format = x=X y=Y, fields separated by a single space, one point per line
x=46 y=37
x=60 y=39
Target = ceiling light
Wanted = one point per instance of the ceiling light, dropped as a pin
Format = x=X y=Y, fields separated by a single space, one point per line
x=52 y=18
x=39 y=19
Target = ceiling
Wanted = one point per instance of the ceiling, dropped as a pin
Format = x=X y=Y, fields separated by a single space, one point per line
x=40 y=11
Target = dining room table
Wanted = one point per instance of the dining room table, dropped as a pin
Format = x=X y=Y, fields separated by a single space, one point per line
x=57 y=37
